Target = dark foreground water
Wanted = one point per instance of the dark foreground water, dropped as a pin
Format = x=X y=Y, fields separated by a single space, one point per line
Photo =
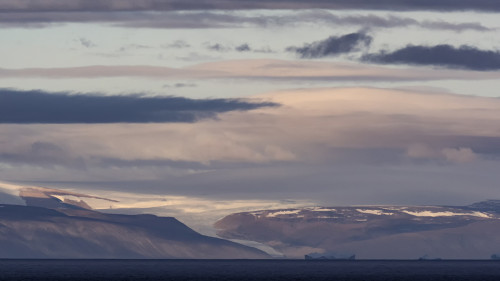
x=247 y=270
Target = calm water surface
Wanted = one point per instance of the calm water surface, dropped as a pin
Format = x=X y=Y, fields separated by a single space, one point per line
x=247 y=270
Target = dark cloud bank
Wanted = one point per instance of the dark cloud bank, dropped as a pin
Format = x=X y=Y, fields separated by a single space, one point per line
x=210 y=19
x=41 y=107
x=464 y=57
x=169 y=5
x=333 y=46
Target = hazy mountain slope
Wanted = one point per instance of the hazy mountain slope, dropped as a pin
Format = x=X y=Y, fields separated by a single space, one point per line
x=35 y=232
x=400 y=232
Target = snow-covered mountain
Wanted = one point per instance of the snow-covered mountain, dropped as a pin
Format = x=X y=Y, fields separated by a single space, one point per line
x=374 y=232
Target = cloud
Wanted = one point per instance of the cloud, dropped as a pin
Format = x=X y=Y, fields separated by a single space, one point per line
x=169 y=5
x=217 y=47
x=243 y=48
x=333 y=46
x=128 y=47
x=420 y=151
x=265 y=49
x=320 y=144
x=178 y=44
x=464 y=57
x=180 y=85
x=374 y=21
x=452 y=155
x=42 y=107
x=43 y=154
x=366 y=125
x=263 y=69
x=207 y=19
x=457 y=27
x=459 y=155
x=240 y=48
x=86 y=43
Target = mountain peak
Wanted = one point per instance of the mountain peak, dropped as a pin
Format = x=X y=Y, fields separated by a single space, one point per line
x=491 y=205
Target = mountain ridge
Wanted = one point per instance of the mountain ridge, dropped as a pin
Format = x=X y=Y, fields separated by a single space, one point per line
x=373 y=232
x=37 y=232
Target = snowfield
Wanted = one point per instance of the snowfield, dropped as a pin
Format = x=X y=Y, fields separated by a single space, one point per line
x=374 y=212
x=275 y=214
x=445 y=214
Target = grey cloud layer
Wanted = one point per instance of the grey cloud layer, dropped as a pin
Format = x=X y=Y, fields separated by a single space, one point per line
x=466 y=57
x=253 y=69
x=311 y=126
x=43 y=154
x=42 y=107
x=333 y=46
x=363 y=127
x=463 y=57
x=245 y=47
x=206 y=19
x=130 y=5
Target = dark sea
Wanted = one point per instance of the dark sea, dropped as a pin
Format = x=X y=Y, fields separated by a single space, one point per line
x=247 y=270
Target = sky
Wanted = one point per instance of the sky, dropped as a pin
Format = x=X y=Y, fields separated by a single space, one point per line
x=197 y=109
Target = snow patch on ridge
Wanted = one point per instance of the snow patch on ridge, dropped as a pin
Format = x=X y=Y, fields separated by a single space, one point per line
x=374 y=212
x=320 y=209
x=395 y=208
x=445 y=214
x=290 y=212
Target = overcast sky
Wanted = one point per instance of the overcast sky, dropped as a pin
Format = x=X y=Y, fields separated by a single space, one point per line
x=190 y=107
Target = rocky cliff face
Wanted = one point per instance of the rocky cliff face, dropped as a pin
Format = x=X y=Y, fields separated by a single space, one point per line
x=374 y=232
x=36 y=232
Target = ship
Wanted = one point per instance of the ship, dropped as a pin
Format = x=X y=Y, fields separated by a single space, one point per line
x=329 y=256
x=428 y=258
